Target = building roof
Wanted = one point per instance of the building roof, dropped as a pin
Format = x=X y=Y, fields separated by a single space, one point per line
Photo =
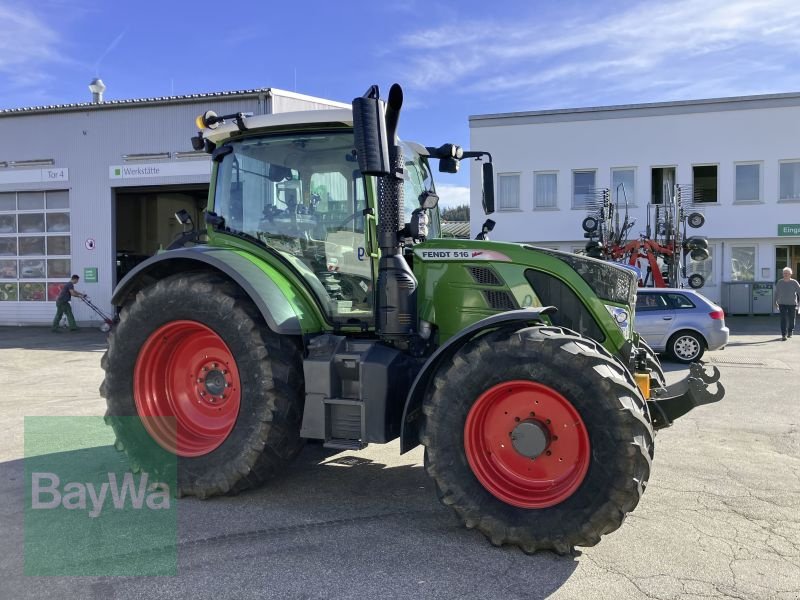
x=455 y=229
x=160 y=100
x=622 y=111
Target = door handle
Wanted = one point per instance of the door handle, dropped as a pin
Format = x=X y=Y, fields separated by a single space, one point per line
x=667 y=318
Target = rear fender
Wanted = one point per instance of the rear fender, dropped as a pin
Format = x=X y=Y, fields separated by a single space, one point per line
x=284 y=308
x=412 y=413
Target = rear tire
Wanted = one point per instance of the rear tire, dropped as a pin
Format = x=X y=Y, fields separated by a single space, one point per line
x=259 y=384
x=582 y=393
x=686 y=347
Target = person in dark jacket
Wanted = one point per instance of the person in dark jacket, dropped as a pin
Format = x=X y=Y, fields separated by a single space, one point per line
x=62 y=304
x=787 y=298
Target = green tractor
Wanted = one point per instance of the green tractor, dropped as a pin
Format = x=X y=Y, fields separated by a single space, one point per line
x=320 y=303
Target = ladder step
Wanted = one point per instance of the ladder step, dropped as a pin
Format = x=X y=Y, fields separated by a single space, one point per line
x=339 y=444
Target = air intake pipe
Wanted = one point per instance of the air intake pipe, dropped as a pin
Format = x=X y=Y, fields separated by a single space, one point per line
x=379 y=153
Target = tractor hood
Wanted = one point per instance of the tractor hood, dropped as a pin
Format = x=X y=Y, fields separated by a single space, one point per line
x=608 y=281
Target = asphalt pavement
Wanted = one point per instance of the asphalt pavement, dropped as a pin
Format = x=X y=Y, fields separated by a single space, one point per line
x=720 y=517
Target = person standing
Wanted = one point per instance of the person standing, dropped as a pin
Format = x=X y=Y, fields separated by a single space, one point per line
x=787 y=298
x=62 y=304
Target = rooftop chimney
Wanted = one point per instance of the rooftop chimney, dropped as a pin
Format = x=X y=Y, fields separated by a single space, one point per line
x=97 y=87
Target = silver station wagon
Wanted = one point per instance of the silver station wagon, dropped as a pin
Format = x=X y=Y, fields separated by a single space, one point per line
x=681 y=323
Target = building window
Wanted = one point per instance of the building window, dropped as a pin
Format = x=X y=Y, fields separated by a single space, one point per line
x=662 y=184
x=35 y=259
x=545 y=190
x=583 y=188
x=702 y=267
x=748 y=182
x=623 y=186
x=508 y=191
x=743 y=263
x=790 y=180
x=782 y=260
x=704 y=179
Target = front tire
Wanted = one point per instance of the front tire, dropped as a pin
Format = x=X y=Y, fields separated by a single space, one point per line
x=537 y=437
x=654 y=364
x=209 y=382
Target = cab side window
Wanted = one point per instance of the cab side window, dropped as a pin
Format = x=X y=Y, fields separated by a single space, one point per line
x=303 y=197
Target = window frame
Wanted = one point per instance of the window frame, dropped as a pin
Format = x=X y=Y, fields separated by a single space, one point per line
x=45 y=279
x=535 y=203
x=754 y=246
x=651 y=199
x=631 y=198
x=710 y=281
x=760 y=184
x=575 y=172
x=716 y=201
x=788 y=161
x=518 y=207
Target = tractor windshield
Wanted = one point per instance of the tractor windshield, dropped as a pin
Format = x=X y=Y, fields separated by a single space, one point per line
x=303 y=196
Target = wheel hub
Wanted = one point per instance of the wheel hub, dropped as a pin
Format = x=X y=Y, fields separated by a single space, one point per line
x=213 y=383
x=530 y=438
x=526 y=444
x=187 y=388
x=686 y=347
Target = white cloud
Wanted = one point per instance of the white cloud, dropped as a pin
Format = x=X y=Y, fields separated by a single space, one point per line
x=27 y=45
x=693 y=46
x=451 y=196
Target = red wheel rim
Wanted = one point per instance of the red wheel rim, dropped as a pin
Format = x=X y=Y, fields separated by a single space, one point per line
x=492 y=434
x=185 y=372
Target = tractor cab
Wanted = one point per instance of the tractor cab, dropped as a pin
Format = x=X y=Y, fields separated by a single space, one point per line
x=302 y=194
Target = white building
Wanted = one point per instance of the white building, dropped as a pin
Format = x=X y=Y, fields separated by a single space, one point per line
x=91 y=189
x=743 y=151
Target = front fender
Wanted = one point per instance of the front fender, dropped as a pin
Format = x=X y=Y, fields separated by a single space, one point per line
x=284 y=309
x=412 y=413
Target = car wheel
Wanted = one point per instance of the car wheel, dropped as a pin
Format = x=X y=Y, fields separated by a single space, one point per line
x=686 y=347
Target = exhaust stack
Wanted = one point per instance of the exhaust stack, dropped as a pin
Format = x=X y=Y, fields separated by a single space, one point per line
x=379 y=153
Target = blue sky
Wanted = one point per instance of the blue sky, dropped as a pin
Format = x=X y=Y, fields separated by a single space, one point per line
x=454 y=59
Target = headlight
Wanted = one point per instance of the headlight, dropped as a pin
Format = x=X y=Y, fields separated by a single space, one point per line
x=620 y=316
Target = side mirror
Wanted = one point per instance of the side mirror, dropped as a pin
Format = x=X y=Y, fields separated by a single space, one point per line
x=428 y=200
x=369 y=130
x=488 y=187
x=486 y=228
x=183 y=217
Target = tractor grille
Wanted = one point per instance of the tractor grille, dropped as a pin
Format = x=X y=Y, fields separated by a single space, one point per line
x=499 y=300
x=484 y=276
x=607 y=280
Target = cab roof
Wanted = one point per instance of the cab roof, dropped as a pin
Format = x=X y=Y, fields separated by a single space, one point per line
x=340 y=116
